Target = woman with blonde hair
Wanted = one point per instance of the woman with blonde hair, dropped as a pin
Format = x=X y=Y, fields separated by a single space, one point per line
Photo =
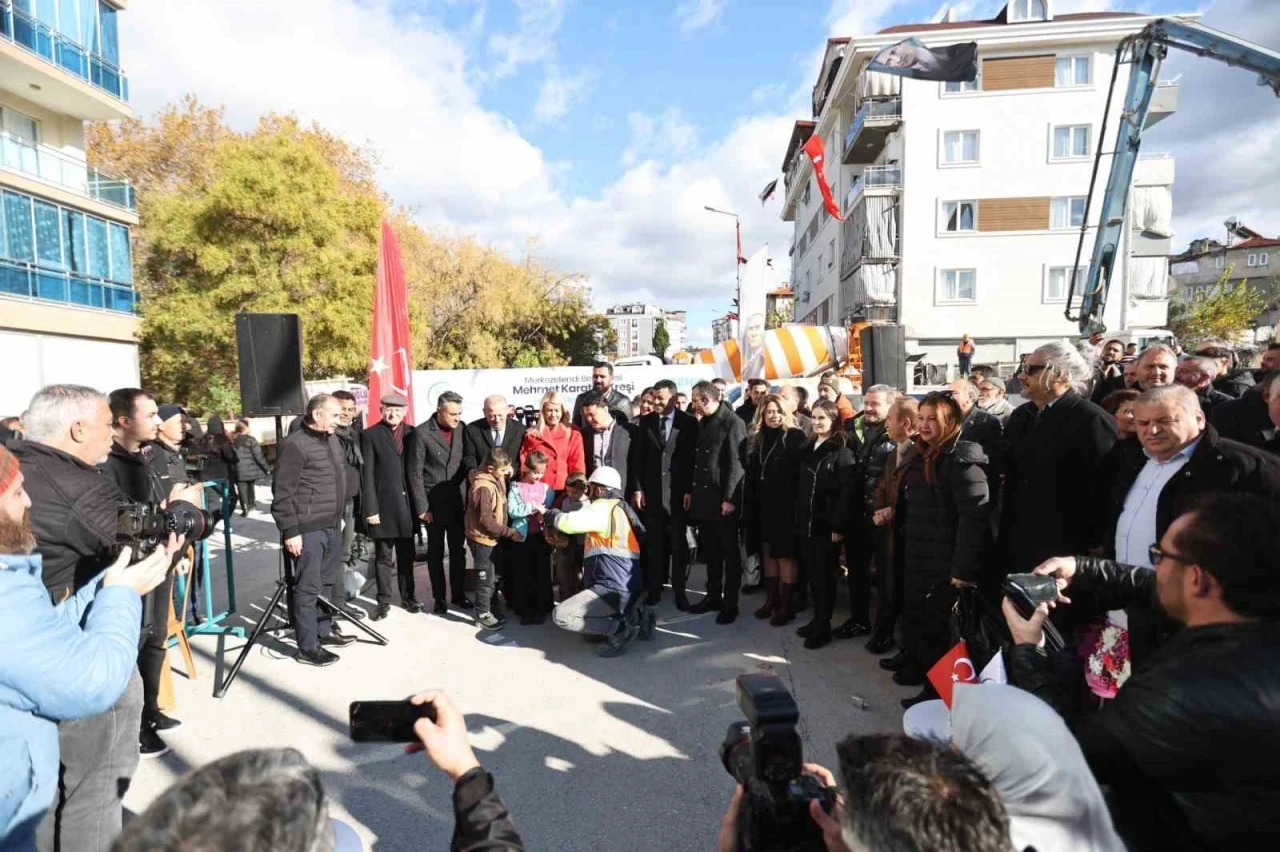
x=557 y=439
x=773 y=449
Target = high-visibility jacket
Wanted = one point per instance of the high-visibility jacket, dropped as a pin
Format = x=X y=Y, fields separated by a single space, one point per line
x=611 y=549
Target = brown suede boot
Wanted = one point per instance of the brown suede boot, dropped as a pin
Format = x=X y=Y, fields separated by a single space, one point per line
x=785 y=611
x=770 y=604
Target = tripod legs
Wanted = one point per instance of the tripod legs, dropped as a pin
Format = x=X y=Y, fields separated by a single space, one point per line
x=329 y=607
x=258 y=629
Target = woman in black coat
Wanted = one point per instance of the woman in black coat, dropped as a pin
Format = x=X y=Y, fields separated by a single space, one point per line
x=251 y=465
x=824 y=500
x=773 y=448
x=944 y=506
x=218 y=458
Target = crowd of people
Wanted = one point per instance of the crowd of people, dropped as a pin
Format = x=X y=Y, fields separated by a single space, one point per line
x=1147 y=484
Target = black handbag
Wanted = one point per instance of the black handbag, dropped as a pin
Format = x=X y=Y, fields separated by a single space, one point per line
x=975 y=623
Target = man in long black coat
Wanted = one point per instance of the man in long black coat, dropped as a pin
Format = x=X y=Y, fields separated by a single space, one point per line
x=1055 y=473
x=662 y=489
x=385 y=488
x=436 y=474
x=716 y=505
x=496 y=430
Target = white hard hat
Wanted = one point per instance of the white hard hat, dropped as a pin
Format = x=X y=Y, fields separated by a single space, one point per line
x=606 y=476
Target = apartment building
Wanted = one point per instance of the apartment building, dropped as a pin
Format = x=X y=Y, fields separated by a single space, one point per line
x=1196 y=273
x=962 y=202
x=67 y=303
x=724 y=328
x=636 y=323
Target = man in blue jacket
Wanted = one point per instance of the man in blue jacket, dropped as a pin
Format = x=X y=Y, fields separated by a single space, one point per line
x=60 y=662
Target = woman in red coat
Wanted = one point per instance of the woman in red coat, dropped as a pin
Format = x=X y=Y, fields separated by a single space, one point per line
x=557 y=439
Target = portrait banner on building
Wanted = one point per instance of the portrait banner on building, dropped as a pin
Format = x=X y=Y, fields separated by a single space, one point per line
x=956 y=63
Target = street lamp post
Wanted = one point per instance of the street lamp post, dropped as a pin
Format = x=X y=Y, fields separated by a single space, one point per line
x=737 y=261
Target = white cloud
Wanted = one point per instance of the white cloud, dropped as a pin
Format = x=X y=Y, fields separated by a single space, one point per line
x=558 y=93
x=767 y=92
x=693 y=15
x=534 y=39
x=663 y=137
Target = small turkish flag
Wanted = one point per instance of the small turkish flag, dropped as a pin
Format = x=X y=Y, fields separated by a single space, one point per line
x=390 y=367
x=818 y=156
x=955 y=667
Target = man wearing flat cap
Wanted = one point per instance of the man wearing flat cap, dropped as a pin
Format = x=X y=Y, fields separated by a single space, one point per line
x=385 y=489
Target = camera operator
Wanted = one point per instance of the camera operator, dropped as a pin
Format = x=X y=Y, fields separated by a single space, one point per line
x=899 y=795
x=74 y=516
x=1190 y=743
x=134 y=467
x=311 y=465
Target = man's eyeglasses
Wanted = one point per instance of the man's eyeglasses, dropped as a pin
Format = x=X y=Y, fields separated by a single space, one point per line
x=1031 y=369
x=1156 y=555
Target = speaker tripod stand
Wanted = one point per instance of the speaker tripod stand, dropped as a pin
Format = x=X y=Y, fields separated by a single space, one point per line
x=280 y=608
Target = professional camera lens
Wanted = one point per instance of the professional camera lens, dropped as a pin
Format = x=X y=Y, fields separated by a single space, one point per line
x=188 y=521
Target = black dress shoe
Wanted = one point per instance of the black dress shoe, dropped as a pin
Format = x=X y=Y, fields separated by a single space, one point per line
x=820 y=637
x=707 y=604
x=412 y=605
x=881 y=644
x=752 y=588
x=850 y=629
x=381 y=612
x=149 y=743
x=909 y=676
x=682 y=603
x=354 y=613
x=464 y=602
x=440 y=608
x=807 y=629
x=894 y=663
x=336 y=640
x=728 y=615
x=316 y=657
x=161 y=722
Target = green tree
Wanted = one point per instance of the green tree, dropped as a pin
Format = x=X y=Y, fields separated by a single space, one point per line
x=1225 y=313
x=661 y=339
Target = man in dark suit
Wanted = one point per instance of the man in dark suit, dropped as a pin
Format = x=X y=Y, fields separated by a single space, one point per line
x=606 y=439
x=1246 y=419
x=385 y=489
x=602 y=383
x=979 y=427
x=1055 y=473
x=661 y=471
x=716 y=506
x=495 y=431
x=436 y=475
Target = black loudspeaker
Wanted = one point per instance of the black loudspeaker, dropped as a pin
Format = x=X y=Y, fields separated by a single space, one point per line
x=270 y=348
x=884 y=356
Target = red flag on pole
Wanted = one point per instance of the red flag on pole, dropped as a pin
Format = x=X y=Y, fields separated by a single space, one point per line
x=390 y=367
x=738 y=227
x=955 y=667
x=818 y=156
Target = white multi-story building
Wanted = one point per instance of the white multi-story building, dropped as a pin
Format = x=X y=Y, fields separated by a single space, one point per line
x=66 y=272
x=636 y=323
x=962 y=202
x=724 y=328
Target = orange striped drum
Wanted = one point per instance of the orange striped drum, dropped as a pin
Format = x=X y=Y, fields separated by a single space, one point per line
x=790 y=352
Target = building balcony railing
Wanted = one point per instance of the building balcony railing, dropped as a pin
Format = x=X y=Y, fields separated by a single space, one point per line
x=870 y=128
x=874 y=177
x=56 y=168
x=22 y=29
x=51 y=285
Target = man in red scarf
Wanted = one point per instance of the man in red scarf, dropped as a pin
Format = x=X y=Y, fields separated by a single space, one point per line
x=386 y=502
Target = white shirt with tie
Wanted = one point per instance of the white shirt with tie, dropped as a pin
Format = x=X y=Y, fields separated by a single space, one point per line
x=601 y=442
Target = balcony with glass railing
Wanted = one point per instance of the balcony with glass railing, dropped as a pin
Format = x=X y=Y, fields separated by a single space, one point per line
x=870 y=129
x=873 y=179
x=67 y=52
x=50 y=285
x=53 y=167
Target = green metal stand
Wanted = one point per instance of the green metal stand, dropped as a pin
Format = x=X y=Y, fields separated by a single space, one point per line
x=213 y=621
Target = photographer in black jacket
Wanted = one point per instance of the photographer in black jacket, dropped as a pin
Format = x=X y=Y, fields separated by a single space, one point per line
x=309 y=494
x=1190 y=744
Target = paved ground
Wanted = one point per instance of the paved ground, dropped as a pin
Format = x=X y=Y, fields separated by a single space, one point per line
x=588 y=753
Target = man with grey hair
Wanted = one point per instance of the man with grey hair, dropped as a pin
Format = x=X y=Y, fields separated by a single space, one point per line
x=979 y=427
x=1054 y=463
x=309 y=493
x=1182 y=457
x=1156 y=366
x=1232 y=379
x=1196 y=373
x=73 y=515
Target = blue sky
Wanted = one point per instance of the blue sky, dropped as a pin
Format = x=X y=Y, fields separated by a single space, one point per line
x=591 y=133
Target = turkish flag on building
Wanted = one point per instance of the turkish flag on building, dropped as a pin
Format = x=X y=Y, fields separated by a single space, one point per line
x=955 y=667
x=818 y=156
x=391 y=367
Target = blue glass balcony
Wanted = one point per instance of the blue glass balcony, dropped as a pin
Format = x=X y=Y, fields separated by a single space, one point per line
x=22 y=29
x=887 y=177
x=25 y=281
x=54 y=167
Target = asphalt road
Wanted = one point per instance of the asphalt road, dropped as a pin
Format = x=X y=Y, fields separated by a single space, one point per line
x=588 y=753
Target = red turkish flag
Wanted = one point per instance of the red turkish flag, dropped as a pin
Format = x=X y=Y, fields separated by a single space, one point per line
x=818 y=156
x=955 y=667
x=390 y=367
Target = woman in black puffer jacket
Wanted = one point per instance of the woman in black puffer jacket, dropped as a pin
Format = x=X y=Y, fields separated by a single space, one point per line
x=251 y=466
x=946 y=503
x=824 y=509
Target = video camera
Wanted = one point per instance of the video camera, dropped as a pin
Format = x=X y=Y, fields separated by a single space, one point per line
x=764 y=755
x=146 y=526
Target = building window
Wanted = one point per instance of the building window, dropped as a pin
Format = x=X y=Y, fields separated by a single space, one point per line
x=821 y=264
x=1066 y=212
x=1057 y=280
x=1186 y=294
x=1071 y=142
x=960 y=147
x=1253 y=260
x=1073 y=71
x=959 y=216
x=831 y=253
x=955 y=87
x=1219 y=262
x=807 y=186
x=1262 y=259
x=1026 y=10
x=956 y=286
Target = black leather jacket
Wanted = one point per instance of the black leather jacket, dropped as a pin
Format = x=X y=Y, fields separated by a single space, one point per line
x=481 y=822
x=1190 y=745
